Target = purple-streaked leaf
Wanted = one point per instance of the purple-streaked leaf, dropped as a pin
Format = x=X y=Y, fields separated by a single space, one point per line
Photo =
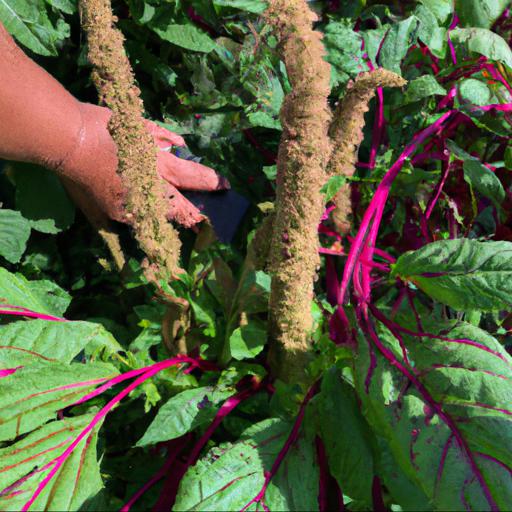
x=24 y=464
x=445 y=415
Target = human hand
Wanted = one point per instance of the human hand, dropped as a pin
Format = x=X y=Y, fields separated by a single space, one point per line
x=91 y=168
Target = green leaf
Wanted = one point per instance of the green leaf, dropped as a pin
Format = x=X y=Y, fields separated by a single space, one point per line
x=270 y=172
x=423 y=87
x=508 y=157
x=480 y=13
x=186 y=36
x=49 y=212
x=254 y=6
x=40 y=296
x=483 y=180
x=441 y=8
x=449 y=433
x=344 y=52
x=478 y=175
x=484 y=42
x=67 y=6
x=332 y=187
x=346 y=437
x=248 y=341
x=430 y=32
x=230 y=475
x=28 y=22
x=25 y=465
x=397 y=42
x=463 y=274
x=184 y=412
x=475 y=92
x=253 y=293
x=14 y=233
x=34 y=394
x=31 y=341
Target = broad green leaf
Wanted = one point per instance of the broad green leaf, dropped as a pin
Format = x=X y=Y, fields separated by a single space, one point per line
x=346 y=437
x=31 y=341
x=14 y=233
x=475 y=91
x=397 y=42
x=248 y=341
x=33 y=395
x=183 y=413
x=480 y=13
x=430 y=33
x=28 y=22
x=344 y=52
x=448 y=428
x=76 y=481
x=484 y=180
x=254 y=6
x=225 y=479
x=463 y=274
x=484 y=42
x=441 y=8
x=49 y=212
x=478 y=175
x=229 y=476
x=40 y=296
x=423 y=87
x=186 y=36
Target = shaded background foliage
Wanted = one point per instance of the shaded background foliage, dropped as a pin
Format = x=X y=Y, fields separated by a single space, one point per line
x=366 y=436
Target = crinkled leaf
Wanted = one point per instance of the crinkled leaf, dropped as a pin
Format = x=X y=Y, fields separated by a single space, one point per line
x=31 y=341
x=480 y=13
x=423 y=87
x=464 y=274
x=248 y=340
x=34 y=394
x=484 y=42
x=186 y=36
x=25 y=463
x=449 y=429
x=346 y=436
x=183 y=413
x=40 y=296
x=14 y=233
x=50 y=212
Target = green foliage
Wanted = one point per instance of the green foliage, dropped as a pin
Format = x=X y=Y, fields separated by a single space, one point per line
x=464 y=274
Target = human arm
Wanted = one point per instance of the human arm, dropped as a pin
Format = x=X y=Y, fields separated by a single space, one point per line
x=41 y=122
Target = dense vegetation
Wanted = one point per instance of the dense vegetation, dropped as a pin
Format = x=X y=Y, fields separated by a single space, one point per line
x=119 y=393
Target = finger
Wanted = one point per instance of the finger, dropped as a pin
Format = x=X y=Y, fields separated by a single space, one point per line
x=188 y=175
x=163 y=137
x=181 y=210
